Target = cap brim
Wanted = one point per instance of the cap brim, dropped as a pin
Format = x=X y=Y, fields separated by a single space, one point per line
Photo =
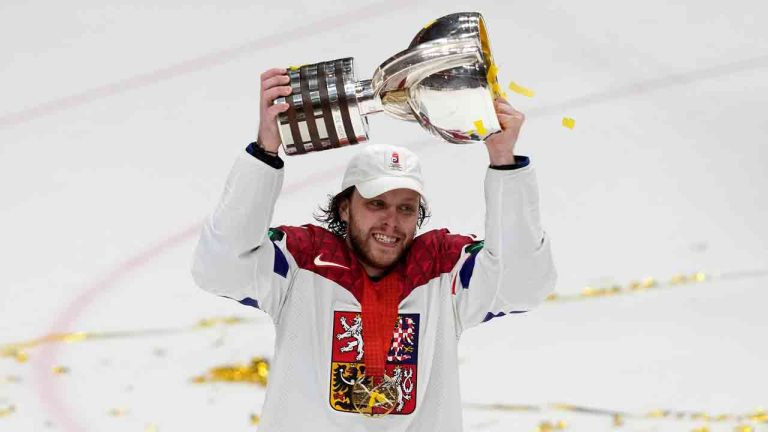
x=378 y=186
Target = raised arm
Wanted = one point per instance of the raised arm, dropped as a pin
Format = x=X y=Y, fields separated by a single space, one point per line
x=512 y=270
x=237 y=256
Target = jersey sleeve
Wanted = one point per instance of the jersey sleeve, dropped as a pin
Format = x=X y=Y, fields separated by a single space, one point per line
x=512 y=270
x=238 y=256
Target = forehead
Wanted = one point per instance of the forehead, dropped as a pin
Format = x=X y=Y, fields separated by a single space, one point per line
x=395 y=195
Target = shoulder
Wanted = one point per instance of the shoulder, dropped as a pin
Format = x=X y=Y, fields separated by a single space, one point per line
x=307 y=241
x=432 y=254
x=440 y=242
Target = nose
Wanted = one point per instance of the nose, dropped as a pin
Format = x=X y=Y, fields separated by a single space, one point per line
x=389 y=218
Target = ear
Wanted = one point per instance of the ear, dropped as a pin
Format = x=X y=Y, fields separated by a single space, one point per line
x=344 y=210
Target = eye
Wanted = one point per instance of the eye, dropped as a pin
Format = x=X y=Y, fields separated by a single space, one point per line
x=407 y=209
x=376 y=203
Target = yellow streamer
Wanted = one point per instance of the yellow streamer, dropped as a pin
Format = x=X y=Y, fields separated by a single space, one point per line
x=480 y=127
x=517 y=88
x=569 y=122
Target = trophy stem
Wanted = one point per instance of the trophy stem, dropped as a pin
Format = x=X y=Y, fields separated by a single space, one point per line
x=367 y=101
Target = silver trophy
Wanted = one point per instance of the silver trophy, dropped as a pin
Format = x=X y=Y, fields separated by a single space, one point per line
x=445 y=80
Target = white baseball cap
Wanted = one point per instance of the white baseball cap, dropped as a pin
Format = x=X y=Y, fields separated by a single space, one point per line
x=381 y=168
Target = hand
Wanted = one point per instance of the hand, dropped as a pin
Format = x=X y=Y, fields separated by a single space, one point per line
x=501 y=146
x=273 y=85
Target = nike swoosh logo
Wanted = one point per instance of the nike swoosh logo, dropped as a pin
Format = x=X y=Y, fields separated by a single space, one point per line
x=321 y=263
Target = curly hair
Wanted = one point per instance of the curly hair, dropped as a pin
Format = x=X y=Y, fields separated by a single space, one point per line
x=329 y=215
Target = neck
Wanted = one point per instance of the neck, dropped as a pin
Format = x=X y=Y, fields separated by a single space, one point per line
x=375 y=273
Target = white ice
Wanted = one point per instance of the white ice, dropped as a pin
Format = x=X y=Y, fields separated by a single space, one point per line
x=119 y=122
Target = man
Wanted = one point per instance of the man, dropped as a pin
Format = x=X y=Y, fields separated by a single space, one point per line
x=368 y=315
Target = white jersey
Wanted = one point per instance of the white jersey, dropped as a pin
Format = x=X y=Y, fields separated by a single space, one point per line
x=310 y=282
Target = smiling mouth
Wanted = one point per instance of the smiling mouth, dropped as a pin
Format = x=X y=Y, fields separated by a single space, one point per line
x=385 y=239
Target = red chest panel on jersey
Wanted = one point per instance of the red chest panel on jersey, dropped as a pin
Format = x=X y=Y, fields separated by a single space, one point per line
x=320 y=251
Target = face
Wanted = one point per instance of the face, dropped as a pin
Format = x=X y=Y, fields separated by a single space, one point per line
x=380 y=229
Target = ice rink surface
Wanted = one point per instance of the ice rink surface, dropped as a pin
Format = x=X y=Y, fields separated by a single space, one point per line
x=118 y=124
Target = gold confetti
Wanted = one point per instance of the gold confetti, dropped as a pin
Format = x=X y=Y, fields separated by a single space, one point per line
x=60 y=370
x=544 y=427
x=211 y=322
x=6 y=410
x=759 y=416
x=678 y=279
x=255 y=419
x=698 y=416
x=74 y=337
x=429 y=24
x=256 y=372
x=621 y=418
x=480 y=127
x=517 y=88
x=569 y=122
x=547 y=426
x=14 y=352
x=118 y=412
x=10 y=379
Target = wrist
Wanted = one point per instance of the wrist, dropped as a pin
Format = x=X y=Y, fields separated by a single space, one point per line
x=267 y=148
x=505 y=156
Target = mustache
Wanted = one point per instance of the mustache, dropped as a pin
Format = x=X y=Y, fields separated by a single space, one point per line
x=396 y=232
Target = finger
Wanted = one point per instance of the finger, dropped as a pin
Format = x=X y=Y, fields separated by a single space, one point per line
x=501 y=101
x=516 y=116
x=269 y=95
x=504 y=106
x=276 y=109
x=272 y=72
x=275 y=81
x=508 y=110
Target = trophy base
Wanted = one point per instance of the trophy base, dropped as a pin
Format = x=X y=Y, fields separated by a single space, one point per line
x=324 y=111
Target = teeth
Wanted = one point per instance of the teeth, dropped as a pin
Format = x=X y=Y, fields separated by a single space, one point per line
x=384 y=239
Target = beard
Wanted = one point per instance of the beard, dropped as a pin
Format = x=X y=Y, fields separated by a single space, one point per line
x=362 y=244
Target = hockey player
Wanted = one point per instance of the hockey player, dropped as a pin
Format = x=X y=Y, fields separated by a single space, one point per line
x=367 y=314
